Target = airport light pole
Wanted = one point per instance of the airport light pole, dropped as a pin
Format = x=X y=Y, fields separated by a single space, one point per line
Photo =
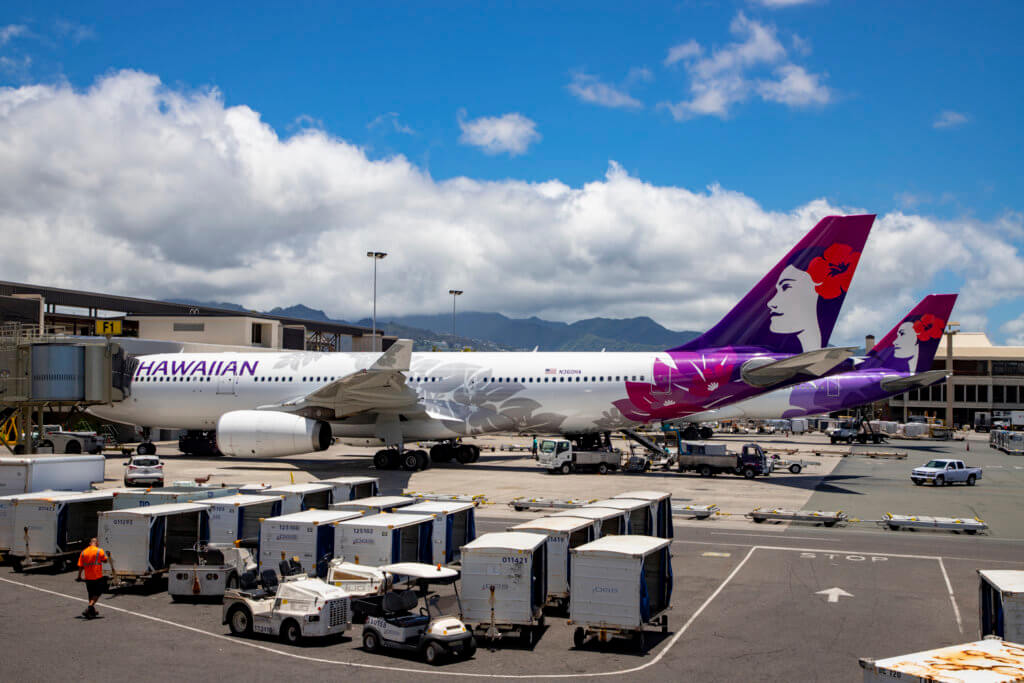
x=376 y=256
x=455 y=293
x=951 y=329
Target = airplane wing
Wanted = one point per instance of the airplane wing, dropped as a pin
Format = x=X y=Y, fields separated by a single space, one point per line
x=378 y=387
x=905 y=383
x=764 y=372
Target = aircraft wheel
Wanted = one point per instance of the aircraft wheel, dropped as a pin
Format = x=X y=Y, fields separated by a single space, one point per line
x=464 y=454
x=706 y=433
x=409 y=461
x=422 y=459
x=441 y=452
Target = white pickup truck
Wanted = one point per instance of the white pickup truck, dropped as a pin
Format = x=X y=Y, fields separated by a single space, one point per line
x=944 y=472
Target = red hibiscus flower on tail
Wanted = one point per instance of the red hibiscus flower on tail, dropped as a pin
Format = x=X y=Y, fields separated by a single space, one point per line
x=929 y=326
x=833 y=271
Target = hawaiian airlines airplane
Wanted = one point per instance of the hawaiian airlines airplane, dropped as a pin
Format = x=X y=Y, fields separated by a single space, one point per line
x=901 y=361
x=274 y=404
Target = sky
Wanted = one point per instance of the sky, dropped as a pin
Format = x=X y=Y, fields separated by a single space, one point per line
x=571 y=161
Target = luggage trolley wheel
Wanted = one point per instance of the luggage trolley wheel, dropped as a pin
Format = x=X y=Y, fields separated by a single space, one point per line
x=664 y=623
x=579 y=636
x=639 y=640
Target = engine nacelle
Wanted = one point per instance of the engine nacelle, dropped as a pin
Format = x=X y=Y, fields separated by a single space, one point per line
x=269 y=434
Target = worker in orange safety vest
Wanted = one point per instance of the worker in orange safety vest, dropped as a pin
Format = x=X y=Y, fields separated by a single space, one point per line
x=90 y=565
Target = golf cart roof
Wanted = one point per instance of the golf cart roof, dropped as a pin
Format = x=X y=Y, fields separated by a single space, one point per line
x=431 y=573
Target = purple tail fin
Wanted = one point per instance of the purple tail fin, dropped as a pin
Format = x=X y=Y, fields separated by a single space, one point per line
x=795 y=306
x=911 y=345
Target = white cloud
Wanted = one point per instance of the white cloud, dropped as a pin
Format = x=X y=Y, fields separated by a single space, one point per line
x=131 y=187
x=512 y=133
x=724 y=78
x=640 y=74
x=589 y=89
x=77 y=32
x=391 y=117
x=1014 y=331
x=949 y=119
x=12 y=31
x=775 y=4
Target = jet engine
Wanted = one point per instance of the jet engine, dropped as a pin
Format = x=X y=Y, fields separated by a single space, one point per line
x=269 y=434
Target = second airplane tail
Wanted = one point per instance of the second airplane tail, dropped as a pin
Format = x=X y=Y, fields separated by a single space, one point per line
x=911 y=345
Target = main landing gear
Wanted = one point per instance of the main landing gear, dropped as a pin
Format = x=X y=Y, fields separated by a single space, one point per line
x=411 y=461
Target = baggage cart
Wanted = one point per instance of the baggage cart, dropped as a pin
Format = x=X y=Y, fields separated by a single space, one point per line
x=1001 y=604
x=7 y=518
x=695 y=511
x=829 y=519
x=54 y=529
x=141 y=497
x=620 y=584
x=299 y=497
x=50 y=472
x=237 y=518
x=144 y=542
x=639 y=519
x=504 y=583
x=968 y=525
x=350 y=488
x=990 y=660
x=661 y=510
x=309 y=537
x=387 y=538
x=607 y=522
x=374 y=505
x=454 y=526
x=563 y=534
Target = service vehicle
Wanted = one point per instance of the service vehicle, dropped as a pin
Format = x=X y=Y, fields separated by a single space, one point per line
x=292 y=608
x=144 y=542
x=309 y=536
x=61 y=441
x=560 y=456
x=7 y=517
x=1001 y=603
x=945 y=472
x=433 y=634
x=989 y=661
x=859 y=431
x=708 y=459
x=52 y=529
x=50 y=473
x=206 y=571
x=144 y=470
x=357 y=580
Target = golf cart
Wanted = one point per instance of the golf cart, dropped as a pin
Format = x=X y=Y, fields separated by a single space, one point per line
x=391 y=623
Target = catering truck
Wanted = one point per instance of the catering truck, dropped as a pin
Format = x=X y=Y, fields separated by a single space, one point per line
x=562 y=457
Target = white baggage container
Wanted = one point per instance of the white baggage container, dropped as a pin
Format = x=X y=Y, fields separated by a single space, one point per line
x=299 y=497
x=143 y=542
x=374 y=505
x=607 y=522
x=237 y=518
x=914 y=429
x=350 y=488
x=139 y=498
x=639 y=520
x=254 y=489
x=454 y=526
x=50 y=472
x=1001 y=604
x=985 y=661
x=55 y=527
x=661 y=510
x=798 y=425
x=619 y=584
x=563 y=534
x=309 y=535
x=504 y=583
x=7 y=516
x=386 y=539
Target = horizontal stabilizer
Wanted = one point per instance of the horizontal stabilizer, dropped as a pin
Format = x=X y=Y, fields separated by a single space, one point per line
x=906 y=383
x=764 y=372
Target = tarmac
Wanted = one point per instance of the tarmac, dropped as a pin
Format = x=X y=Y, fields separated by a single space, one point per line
x=773 y=601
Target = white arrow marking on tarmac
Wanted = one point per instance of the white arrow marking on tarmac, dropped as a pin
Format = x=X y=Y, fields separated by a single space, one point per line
x=834 y=594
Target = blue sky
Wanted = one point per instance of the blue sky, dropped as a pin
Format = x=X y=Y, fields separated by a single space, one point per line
x=889 y=107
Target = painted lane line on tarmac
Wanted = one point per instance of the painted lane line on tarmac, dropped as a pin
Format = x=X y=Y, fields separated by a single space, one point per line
x=952 y=598
x=838 y=552
x=462 y=674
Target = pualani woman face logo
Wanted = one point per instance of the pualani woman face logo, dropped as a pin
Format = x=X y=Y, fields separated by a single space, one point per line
x=793 y=309
x=905 y=345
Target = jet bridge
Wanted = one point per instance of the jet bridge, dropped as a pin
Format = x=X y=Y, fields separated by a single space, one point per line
x=54 y=372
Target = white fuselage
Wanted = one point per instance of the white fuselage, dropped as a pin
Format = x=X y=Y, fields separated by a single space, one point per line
x=464 y=393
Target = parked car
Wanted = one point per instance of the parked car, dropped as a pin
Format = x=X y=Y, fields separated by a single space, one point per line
x=945 y=472
x=144 y=470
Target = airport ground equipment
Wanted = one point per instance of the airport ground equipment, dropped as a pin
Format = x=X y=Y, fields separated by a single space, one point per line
x=856 y=430
x=350 y=488
x=607 y=521
x=794 y=465
x=563 y=534
x=504 y=582
x=139 y=497
x=386 y=539
x=374 y=505
x=206 y=571
x=476 y=499
x=968 y=525
x=310 y=536
x=829 y=519
x=696 y=511
x=561 y=456
x=238 y=517
x=358 y=580
x=392 y=624
x=299 y=497
x=990 y=661
x=943 y=472
x=57 y=440
x=50 y=473
x=1001 y=604
x=7 y=517
x=52 y=529
x=144 y=470
x=1011 y=443
x=522 y=503
x=639 y=518
x=454 y=526
x=144 y=542
x=620 y=584
x=661 y=510
x=709 y=459
x=293 y=609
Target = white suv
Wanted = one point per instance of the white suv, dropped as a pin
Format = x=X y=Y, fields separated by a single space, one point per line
x=144 y=470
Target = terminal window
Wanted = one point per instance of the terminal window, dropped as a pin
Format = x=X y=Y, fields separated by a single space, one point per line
x=189 y=327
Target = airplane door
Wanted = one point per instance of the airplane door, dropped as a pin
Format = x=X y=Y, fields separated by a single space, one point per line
x=226 y=384
x=832 y=387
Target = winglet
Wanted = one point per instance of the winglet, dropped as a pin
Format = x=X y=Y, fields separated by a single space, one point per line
x=396 y=358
